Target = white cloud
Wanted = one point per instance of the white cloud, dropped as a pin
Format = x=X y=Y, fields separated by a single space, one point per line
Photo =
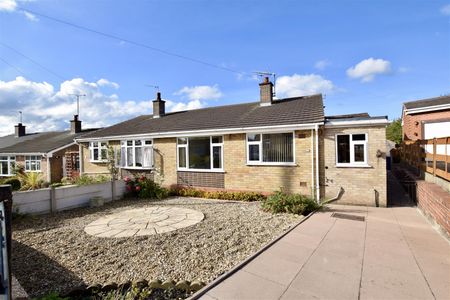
x=321 y=64
x=367 y=69
x=445 y=10
x=30 y=16
x=11 y=6
x=201 y=92
x=301 y=85
x=47 y=108
x=197 y=96
x=106 y=82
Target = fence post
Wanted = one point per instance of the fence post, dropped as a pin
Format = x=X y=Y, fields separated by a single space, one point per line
x=52 y=199
x=434 y=157
x=6 y=198
x=113 y=189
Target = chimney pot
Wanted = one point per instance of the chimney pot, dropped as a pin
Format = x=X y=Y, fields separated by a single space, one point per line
x=19 y=130
x=159 y=106
x=75 y=125
x=266 y=92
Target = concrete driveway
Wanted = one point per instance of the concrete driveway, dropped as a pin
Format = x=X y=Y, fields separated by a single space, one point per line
x=394 y=253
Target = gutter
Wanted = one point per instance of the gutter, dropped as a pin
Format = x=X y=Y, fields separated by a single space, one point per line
x=356 y=123
x=188 y=133
x=426 y=109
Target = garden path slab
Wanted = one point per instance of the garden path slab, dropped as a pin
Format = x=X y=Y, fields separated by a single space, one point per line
x=144 y=221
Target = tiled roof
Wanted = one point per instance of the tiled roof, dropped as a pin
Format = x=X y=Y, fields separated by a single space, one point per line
x=428 y=102
x=42 y=142
x=289 y=111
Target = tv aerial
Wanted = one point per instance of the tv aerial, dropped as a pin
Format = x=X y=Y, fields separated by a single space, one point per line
x=262 y=74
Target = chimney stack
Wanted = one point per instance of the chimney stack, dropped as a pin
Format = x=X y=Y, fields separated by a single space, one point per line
x=19 y=130
x=75 y=125
x=266 y=92
x=159 y=106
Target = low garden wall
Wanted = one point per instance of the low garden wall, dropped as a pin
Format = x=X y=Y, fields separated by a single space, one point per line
x=65 y=197
x=434 y=201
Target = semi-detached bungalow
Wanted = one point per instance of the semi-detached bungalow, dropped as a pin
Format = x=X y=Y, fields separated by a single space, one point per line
x=261 y=146
x=54 y=154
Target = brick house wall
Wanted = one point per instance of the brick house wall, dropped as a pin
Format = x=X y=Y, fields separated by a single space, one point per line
x=359 y=184
x=20 y=160
x=237 y=176
x=413 y=124
x=434 y=201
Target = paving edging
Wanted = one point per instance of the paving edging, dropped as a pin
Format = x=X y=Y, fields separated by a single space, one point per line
x=236 y=268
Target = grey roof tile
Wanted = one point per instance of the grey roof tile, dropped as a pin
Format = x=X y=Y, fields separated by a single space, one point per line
x=289 y=111
x=427 y=102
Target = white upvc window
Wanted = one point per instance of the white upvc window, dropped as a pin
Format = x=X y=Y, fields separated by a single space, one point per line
x=136 y=154
x=351 y=149
x=33 y=163
x=200 y=153
x=7 y=164
x=271 y=148
x=98 y=151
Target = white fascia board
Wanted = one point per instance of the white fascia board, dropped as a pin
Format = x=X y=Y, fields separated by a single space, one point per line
x=357 y=123
x=426 y=109
x=22 y=154
x=277 y=128
x=50 y=153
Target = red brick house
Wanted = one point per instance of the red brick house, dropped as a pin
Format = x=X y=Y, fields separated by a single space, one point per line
x=426 y=119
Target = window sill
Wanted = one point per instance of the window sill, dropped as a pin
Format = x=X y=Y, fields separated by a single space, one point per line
x=37 y=171
x=354 y=166
x=137 y=168
x=201 y=170
x=98 y=161
x=272 y=164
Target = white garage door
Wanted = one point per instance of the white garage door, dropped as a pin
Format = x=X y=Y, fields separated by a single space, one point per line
x=436 y=130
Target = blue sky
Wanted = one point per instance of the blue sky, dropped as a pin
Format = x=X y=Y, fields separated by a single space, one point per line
x=363 y=55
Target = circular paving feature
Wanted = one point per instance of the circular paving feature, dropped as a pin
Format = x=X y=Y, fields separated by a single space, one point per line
x=144 y=221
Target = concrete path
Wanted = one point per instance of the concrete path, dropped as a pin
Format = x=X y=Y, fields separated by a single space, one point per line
x=144 y=221
x=393 y=254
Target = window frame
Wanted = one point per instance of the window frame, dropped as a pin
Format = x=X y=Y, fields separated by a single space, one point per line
x=211 y=146
x=260 y=162
x=99 y=147
x=123 y=145
x=11 y=159
x=352 y=144
x=37 y=158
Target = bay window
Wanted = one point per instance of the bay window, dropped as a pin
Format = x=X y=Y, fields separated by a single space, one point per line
x=98 y=151
x=200 y=153
x=136 y=154
x=351 y=149
x=33 y=163
x=7 y=164
x=273 y=148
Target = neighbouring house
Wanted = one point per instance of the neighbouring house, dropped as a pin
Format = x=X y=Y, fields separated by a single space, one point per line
x=54 y=154
x=426 y=119
x=261 y=146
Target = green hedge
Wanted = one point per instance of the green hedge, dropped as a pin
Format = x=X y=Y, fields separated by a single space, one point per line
x=280 y=202
x=222 y=195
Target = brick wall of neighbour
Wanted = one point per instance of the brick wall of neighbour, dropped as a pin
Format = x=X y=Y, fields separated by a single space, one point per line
x=413 y=131
x=240 y=176
x=201 y=179
x=165 y=158
x=20 y=160
x=93 y=168
x=434 y=201
x=362 y=186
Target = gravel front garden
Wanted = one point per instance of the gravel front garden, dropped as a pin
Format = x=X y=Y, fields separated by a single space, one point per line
x=53 y=252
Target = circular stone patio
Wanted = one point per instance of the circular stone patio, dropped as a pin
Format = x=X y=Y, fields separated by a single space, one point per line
x=144 y=221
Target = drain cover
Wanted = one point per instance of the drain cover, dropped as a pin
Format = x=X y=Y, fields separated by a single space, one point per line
x=348 y=217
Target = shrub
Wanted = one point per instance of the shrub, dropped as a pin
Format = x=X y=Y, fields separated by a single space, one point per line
x=14 y=182
x=222 y=195
x=280 y=202
x=31 y=181
x=145 y=188
x=86 y=179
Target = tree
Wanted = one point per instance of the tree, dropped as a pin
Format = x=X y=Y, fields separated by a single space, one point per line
x=394 y=131
x=112 y=163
